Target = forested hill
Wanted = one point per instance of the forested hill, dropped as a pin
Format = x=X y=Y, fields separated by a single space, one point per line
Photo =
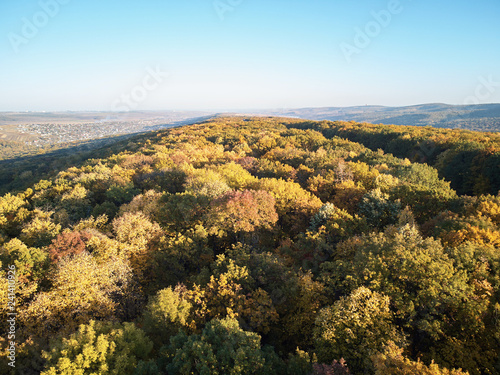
x=469 y=160
x=478 y=117
x=260 y=246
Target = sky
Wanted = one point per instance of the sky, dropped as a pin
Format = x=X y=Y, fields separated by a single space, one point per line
x=122 y=55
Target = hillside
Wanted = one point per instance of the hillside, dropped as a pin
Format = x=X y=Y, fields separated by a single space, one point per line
x=255 y=245
x=25 y=134
x=469 y=160
x=481 y=117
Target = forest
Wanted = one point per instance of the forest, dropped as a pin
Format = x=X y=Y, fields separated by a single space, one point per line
x=20 y=171
x=259 y=245
x=479 y=117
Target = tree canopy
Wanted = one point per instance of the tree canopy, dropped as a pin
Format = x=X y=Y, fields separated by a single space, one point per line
x=260 y=245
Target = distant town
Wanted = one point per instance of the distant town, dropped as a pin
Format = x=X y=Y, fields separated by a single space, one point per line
x=61 y=133
x=41 y=130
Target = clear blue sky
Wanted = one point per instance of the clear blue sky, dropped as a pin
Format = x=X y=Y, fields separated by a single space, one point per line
x=90 y=55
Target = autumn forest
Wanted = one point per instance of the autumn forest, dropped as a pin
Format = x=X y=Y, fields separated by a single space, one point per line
x=260 y=245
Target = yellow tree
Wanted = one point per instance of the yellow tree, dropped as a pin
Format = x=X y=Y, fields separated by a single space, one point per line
x=242 y=211
x=294 y=205
x=99 y=348
x=392 y=361
x=355 y=327
x=141 y=235
x=82 y=289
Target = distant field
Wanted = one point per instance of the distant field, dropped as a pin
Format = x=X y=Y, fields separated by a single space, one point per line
x=16 y=118
x=11 y=133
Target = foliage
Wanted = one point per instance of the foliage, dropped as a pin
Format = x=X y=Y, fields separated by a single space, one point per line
x=378 y=210
x=242 y=211
x=222 y=348
x=98 y=348
x=75 y=300
x=293 y=204
x=166 y=313
x=354 y=328
x=40 y=230
x=393 y=362
x=224 y=238
x=406 y=268
x=326 y=212
x=66 y=244
x=224 y=296
x=336 y=368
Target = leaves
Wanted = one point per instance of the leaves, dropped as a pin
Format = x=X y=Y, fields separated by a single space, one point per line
x=354 y=328
x=247 y=230
x=98 y=348
x=242 y=211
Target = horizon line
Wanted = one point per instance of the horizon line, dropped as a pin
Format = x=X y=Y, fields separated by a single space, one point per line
x=236 y=110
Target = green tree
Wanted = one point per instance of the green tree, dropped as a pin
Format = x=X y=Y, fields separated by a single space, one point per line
x=354 y=328
x=222 y=348
x=166 y=313
x=40 y=231
x=378 y=209
x=99 y=348
x=415 y=273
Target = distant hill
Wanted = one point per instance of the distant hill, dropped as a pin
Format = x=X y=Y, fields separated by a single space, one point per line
x=31 y=133
x=483 y=117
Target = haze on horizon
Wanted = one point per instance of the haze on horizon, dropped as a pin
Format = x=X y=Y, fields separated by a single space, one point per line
x=59 y=55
